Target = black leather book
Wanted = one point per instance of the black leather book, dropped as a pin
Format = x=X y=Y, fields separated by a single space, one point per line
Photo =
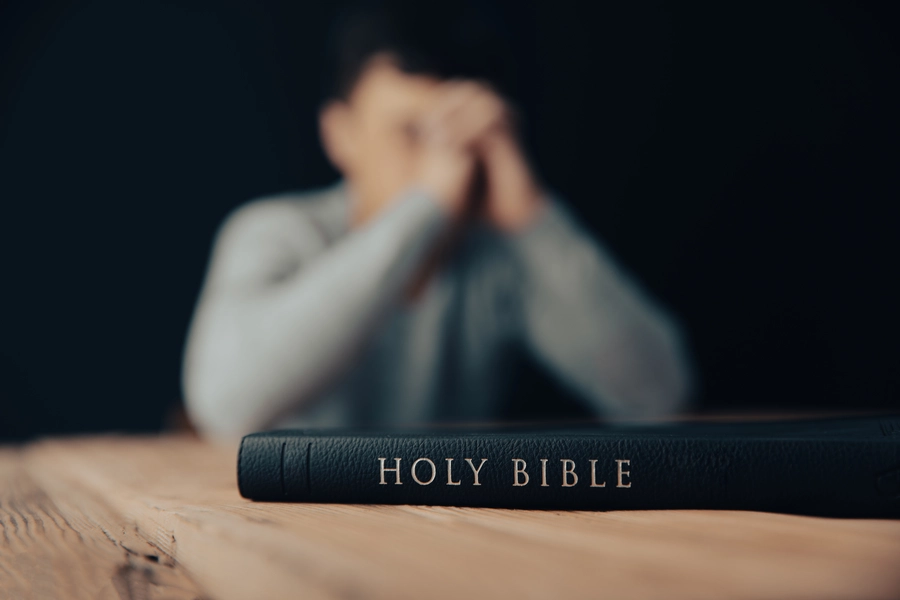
x=835 y=467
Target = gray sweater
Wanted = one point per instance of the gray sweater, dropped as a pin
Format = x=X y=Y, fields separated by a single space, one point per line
x=303 y=321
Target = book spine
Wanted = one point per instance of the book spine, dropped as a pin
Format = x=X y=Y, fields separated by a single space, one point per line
x=820 y=477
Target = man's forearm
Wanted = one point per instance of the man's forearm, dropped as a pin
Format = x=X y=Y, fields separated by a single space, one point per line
x=255 y=356
x=593 y=325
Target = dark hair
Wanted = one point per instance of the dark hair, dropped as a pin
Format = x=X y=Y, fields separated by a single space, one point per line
x=460 y=38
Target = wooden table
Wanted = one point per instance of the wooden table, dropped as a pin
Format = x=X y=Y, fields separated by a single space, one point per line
x=160 y=517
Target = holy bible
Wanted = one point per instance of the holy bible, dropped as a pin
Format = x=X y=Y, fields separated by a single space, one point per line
x=832 y=467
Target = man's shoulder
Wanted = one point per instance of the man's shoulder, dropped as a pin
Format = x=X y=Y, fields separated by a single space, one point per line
x=321 y=212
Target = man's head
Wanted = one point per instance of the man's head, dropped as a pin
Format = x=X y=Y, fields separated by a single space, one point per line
x=387 y=60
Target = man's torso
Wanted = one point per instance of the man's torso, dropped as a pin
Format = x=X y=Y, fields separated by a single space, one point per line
x=445 y=355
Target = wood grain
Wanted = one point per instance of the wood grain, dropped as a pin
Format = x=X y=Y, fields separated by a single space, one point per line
x=63 y=542
x=128 y=500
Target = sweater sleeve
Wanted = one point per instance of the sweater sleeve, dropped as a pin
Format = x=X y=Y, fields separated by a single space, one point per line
x=593 y=326
x=281 y=314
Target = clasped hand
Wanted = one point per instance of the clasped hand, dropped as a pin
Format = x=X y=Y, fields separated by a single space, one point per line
x=469 y=130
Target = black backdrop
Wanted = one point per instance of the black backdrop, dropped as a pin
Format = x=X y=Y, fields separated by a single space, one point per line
x=742 y=160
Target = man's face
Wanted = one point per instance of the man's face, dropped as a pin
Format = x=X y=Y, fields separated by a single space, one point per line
x=372 y=138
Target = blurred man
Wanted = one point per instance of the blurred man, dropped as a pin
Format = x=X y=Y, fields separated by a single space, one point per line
x=399 y=294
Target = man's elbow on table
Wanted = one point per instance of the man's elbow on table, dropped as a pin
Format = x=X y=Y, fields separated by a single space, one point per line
x=217 y=407
x=652 y=378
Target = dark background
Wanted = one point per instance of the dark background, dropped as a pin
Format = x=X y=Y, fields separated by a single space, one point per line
x=741 y=160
